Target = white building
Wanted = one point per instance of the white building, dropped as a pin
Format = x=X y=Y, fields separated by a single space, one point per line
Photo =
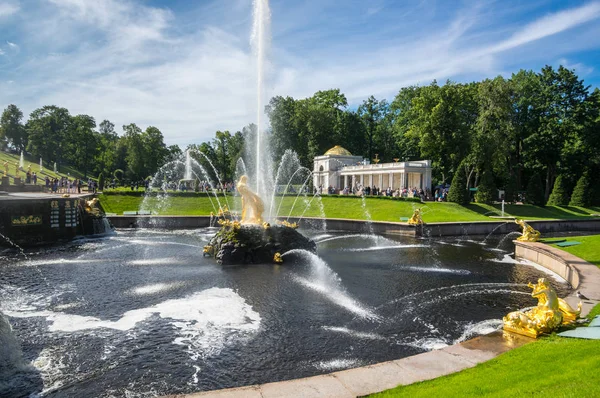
x=338 y=168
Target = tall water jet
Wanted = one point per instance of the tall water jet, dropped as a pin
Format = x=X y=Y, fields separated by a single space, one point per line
x=22 y=161
x=41 y=165
x=260 y=42
x=55 y=169
x=188 y=166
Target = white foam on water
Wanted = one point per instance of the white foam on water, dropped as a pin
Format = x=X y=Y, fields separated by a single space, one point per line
x=157 y=261
x=155 y=242
x=362 y=236
x=205 y=316
x=479 y=328
x=339 y=298
x=354 y=333
x=37 y=263
x=154 y=288
x=437 y=270
x=336 y=364
x=507 y=259
x=377 y=248
x=317 y=238
x=428 y=343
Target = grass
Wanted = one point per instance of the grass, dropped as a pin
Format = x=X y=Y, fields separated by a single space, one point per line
x=549 y=367
x=347 y=207
x=588 y=250
x=65 y=171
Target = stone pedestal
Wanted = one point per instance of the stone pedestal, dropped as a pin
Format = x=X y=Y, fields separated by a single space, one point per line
x=5 y=181
x=17 y=180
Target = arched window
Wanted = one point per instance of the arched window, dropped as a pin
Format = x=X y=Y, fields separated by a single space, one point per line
x=321 y=168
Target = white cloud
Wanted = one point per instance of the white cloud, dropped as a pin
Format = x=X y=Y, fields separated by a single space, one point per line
x=8 y=9
x=128 y=62
x=580 y=68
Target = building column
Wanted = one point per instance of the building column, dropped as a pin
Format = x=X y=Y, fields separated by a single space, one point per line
x=362 y=180
x=345 y=181
x=391 y=180
x=371 y=180
x=381 y=182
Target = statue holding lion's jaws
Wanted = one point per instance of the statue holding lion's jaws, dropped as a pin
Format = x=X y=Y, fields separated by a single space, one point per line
x=252 y=205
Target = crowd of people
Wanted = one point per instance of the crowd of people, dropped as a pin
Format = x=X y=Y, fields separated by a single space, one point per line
x=359 y=190
x=66 y=185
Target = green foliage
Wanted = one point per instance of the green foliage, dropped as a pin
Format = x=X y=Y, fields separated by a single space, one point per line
x=12 y=130
x=118 y=174
x=559 y=195
x=486 y=190
x=535 y=191
x=510 y=188
x=101 y=182
x=582 y=195
x=459 y=192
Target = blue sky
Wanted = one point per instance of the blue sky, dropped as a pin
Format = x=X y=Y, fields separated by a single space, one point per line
x=186 y=67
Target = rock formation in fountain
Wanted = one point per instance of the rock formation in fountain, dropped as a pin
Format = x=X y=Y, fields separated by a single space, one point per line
x=17 y=379
x=253 y=241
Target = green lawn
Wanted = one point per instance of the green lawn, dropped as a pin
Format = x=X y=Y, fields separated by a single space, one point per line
x=550 y=367
x=589 y=249
x=347 y=207
x=65 y=171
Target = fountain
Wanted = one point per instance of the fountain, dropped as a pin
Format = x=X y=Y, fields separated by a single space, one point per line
x=252 y=240
x=41 y=165
x=55 y=169
x=22 y=161
x=141 y=313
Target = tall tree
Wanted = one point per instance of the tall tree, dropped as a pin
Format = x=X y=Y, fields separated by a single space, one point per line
x=82 y=143
x=12 y=130
x=132 y=139
x=48 y=129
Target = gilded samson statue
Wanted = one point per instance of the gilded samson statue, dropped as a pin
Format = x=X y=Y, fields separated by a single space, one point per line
x=252 y=205
x=550 y=313
x=529 y=234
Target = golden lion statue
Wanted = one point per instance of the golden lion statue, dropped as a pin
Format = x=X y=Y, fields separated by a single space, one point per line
x=416 y=218
x=550 y=313
x=529 y=234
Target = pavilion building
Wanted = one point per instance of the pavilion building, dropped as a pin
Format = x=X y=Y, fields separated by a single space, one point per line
x=338 y=168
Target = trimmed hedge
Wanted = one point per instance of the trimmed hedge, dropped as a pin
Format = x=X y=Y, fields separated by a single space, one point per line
x=582 y=194
x=559 y=195
x=458 y=189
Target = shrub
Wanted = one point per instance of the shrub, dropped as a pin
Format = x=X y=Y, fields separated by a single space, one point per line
x=458 y=189
x=486 y=190
x=582 y=195
x=535 y=191
x=101 y=182
x=559 y=195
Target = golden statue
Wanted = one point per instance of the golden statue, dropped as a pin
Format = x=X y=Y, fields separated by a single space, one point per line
x=550 y=313
x=29 y=168
x=5 y=168
x=16 y=170
x=277 y=258
x=91 y=207
x=416 y=218
x=285 y=223
x=529 y=234
x=207 y=250
x=252 y=205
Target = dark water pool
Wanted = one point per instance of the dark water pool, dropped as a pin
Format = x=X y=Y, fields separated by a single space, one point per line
x=142 y=313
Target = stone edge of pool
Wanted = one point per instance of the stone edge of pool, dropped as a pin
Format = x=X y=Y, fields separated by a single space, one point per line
x=365 y=380
x=378 y=227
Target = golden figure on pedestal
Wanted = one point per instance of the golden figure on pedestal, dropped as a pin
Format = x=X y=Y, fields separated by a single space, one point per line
x=416 y=218
x=16 y=169
x=550 y=313
x=252 y=205
x=277 y=258
x=91 y=207
x=5 y=168
x=529 y=234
